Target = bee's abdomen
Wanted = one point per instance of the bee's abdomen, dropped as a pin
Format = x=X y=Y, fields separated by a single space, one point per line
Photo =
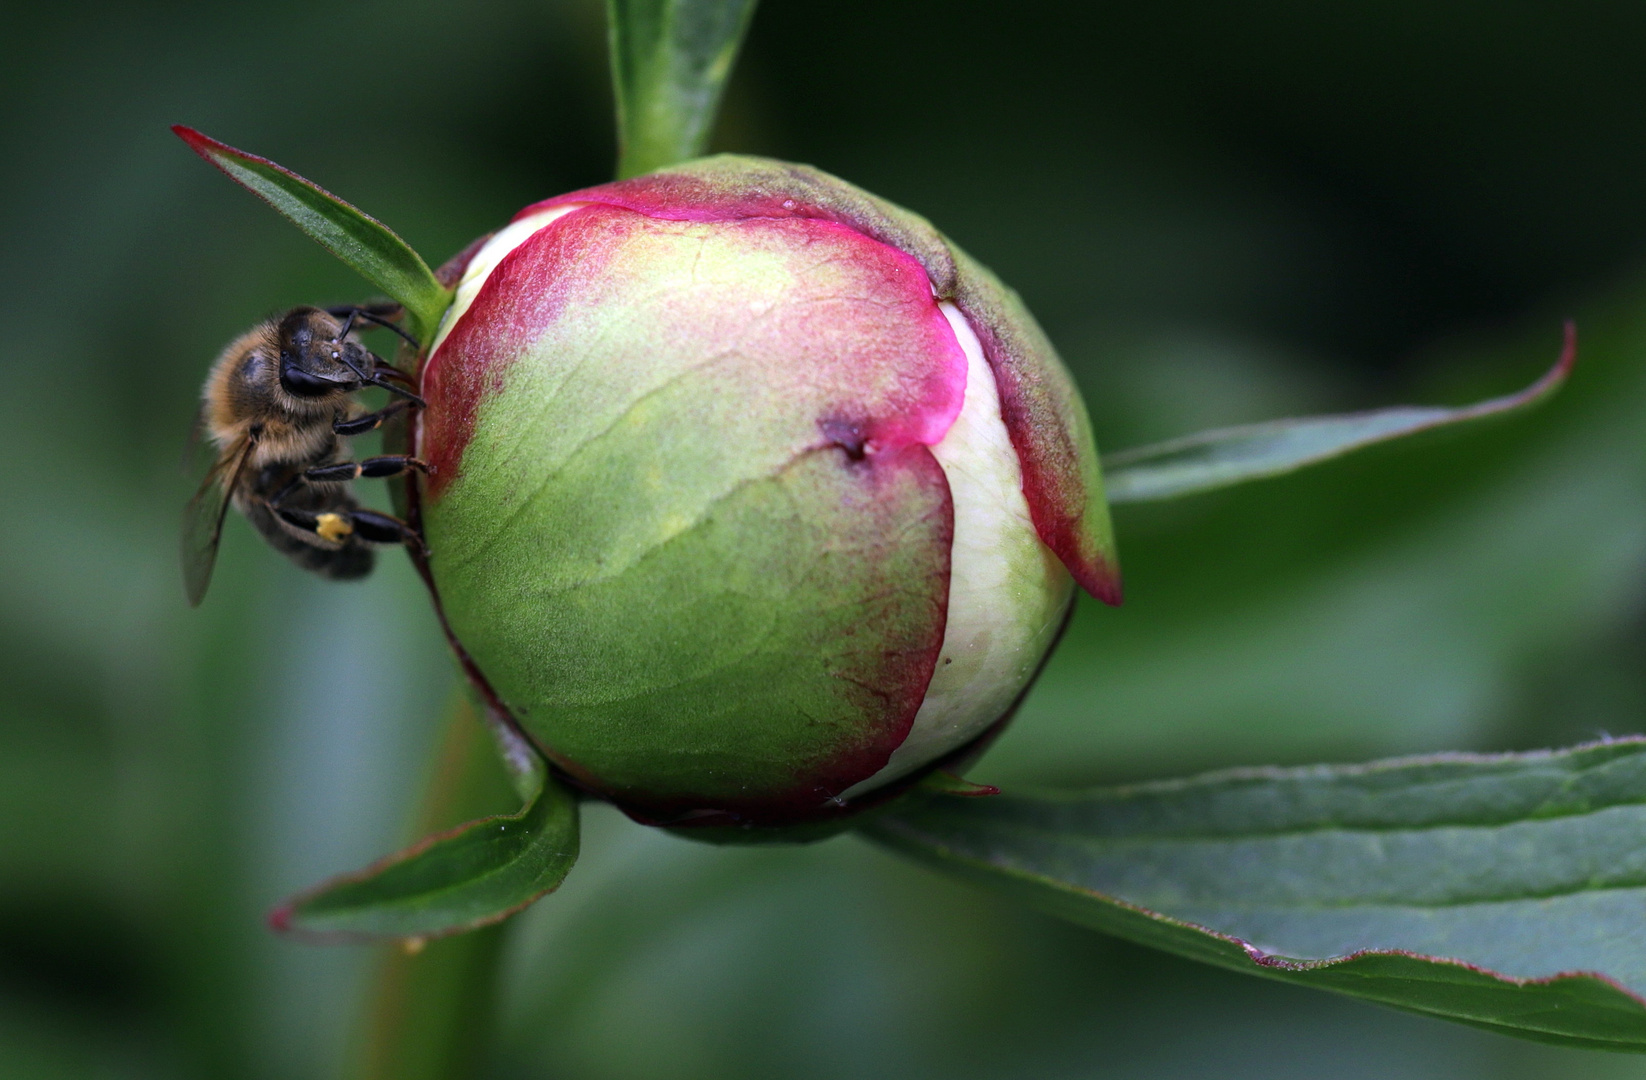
x=342 y=559
x=352 y=560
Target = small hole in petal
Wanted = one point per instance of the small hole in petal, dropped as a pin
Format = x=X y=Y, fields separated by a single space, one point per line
x=848 y=436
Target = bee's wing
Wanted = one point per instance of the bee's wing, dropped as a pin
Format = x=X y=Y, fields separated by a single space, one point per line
x=203 y=519
x=194 y=451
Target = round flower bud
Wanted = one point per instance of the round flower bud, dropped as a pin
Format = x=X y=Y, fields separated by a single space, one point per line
x=754 y=498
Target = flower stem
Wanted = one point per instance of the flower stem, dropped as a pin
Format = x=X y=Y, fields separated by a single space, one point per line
x=428 y=1006
x=670 y=60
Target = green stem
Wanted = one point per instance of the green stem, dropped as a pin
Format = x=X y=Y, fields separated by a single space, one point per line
x=670 y=60
x=429 y=1005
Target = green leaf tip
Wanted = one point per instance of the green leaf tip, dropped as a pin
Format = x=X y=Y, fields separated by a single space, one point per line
x=1215 y=459
x=943 y=782
x=471 y=876
x=1499 y=891
x=361 y=241
x=670 y=60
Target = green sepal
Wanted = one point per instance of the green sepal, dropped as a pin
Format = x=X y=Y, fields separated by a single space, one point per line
x=941 y=782
x=1499 y=891
x=365 y=243
x=1215 y=459
x=472 y=876
x=670 y=59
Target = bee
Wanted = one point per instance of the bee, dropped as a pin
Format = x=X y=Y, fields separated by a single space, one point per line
x=278 y=408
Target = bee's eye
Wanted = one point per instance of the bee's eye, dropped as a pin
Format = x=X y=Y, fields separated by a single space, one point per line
x=300 y=383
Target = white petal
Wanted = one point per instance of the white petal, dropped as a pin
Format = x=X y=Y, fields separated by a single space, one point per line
x=486 y=259
x=1007 y=591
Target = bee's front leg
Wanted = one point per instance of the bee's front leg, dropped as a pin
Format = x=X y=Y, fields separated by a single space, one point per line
x=359 y=425
x=377 y=314
x=386 y=370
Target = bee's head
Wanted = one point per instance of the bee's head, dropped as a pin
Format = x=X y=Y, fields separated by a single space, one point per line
x=316 y=364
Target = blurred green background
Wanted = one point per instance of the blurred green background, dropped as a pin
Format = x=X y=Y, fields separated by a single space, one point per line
x=1221 y=212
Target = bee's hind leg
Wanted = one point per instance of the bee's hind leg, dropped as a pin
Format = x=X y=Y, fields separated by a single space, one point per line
x=386 y=529
x=336 y=526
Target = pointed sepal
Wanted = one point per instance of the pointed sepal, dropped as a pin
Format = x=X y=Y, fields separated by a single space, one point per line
x=943 y=782
x=1216 y=459
x=474 y=875
x=365 y=243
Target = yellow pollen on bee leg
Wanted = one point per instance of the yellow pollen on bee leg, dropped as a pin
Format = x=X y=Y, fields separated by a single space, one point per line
x=413 y=945
x=332 y=527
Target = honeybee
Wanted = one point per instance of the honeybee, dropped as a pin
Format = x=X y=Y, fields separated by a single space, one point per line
x=278 y=408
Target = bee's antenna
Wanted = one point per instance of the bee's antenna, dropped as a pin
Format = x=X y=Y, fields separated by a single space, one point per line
x=387 y=325
x=375 y=319
x=373 y=379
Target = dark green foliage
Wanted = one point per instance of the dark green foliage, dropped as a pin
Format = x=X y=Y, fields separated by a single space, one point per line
x=473 y=876
x=1222 y=214
x=1503 y=892
x=1210 y=460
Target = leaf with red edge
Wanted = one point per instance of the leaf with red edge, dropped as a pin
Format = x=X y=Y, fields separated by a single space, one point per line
x=360 y=240
x=1505 y=891
x=469 y=877
x=1215 y=459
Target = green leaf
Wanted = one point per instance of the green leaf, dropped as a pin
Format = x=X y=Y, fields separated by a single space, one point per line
x=363 y=242
x=1215 y=459
x=1504 y=891
x=427 y=1009
x=943 y=782
x=476 y=874
x=670 y=59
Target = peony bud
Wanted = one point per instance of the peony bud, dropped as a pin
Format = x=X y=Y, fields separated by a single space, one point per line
x=753 y=495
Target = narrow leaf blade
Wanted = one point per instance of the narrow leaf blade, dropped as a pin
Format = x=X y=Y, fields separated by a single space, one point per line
x=477 y=874
x=1215 y=459
x=670 y=60
x=360 y=240
x=943 y=782
x=1507 y=892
